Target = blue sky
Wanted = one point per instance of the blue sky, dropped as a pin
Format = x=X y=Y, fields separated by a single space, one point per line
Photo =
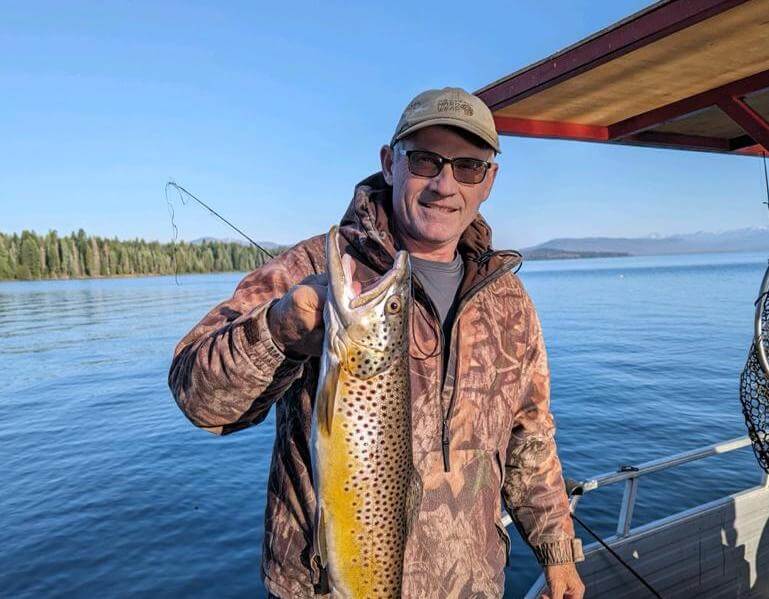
x=272 y=113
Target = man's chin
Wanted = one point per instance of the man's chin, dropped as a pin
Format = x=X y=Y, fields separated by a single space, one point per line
x=435 y=235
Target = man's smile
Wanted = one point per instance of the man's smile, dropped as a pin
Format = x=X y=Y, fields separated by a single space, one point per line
x=439 y=208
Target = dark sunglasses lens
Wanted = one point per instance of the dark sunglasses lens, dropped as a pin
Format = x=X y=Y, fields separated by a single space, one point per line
x=469 y=170
x=424 y=164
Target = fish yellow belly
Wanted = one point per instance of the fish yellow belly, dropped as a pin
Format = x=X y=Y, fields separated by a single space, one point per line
x=364 y=467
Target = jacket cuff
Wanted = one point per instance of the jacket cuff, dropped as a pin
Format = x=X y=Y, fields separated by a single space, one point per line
x=259 y=341
x=559 y=552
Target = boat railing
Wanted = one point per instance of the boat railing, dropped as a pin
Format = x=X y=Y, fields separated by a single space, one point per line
x=630 y=475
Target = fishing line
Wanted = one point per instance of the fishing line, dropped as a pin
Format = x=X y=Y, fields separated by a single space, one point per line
x=616 y=556
x=176 y=232
x=764 y=291
x=184 y=192
x=575 y=488
x=766 y=180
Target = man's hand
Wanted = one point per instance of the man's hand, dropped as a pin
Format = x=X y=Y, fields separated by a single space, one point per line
x=563 y=582
x=296 y=320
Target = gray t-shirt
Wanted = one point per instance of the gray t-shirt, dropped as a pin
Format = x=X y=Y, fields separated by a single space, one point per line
x=441 y=281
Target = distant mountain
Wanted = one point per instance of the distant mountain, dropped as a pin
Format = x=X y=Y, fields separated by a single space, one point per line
x=267 y=245
x=751 y=239
x=547 y=253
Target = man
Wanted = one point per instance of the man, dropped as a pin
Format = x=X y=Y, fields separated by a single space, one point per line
x=482 y=429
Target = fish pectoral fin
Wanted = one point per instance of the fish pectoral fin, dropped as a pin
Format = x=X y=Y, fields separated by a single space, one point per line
x=320 y=538
x=327 y=396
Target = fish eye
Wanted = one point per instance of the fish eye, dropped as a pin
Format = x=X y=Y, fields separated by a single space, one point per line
x=393 y=305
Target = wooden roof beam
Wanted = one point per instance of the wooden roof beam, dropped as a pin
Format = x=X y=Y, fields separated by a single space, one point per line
x=654 y=23
x=688 y=106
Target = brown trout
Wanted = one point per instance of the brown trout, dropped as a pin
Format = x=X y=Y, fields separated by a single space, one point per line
x=362 y=464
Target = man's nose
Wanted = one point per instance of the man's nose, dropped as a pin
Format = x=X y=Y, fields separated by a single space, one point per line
x=444 y=183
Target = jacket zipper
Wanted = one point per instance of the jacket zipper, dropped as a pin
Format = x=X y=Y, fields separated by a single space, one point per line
x=464 y=300
x=439 y=386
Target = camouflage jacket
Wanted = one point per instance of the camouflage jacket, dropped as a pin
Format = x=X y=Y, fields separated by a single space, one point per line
x=482 y=430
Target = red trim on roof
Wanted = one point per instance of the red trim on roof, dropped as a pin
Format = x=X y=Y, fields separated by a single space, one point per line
x=635 y=32
x=756 y=150
x=655 y=139
x=557 y=130
x=753 y=123
x=676 y=140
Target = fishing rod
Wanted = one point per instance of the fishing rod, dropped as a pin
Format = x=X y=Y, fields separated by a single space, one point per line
x=183 y=192
x=754 y=379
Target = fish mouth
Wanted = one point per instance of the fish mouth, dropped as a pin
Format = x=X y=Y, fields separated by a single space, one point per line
x=340 y=280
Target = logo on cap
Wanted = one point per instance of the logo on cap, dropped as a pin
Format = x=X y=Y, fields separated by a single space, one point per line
x=416 y=106
x=454 y=106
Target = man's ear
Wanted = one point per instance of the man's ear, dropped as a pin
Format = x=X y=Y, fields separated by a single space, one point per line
x=386 y=158
x=488 y=182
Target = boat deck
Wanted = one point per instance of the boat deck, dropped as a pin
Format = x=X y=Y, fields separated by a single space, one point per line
x=718 y=549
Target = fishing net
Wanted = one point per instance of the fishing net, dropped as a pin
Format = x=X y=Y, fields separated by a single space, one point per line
x=754 y=387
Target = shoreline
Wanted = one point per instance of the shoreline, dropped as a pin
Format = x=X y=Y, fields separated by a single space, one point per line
x=525 y=259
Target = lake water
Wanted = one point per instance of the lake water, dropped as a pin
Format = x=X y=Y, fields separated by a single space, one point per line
x=107 y=490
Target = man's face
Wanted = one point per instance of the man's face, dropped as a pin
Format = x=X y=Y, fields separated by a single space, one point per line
x=432 y=213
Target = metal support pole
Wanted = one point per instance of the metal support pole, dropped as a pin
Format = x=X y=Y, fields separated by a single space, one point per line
x=628 y=503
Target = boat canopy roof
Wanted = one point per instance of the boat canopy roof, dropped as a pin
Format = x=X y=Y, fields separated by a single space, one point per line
x=685 y=74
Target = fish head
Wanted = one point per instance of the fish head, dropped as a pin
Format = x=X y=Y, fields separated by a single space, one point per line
x=373 y=325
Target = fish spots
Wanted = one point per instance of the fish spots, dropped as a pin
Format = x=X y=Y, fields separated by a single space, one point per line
x=375 y=435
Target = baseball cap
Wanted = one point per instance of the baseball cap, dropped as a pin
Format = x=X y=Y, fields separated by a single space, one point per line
x=451 y=106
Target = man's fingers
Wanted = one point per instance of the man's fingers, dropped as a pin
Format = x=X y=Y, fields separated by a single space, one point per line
x=554 y=591
x=309 y=297
x=577 y=591
x=559 y=592
x=317 y=279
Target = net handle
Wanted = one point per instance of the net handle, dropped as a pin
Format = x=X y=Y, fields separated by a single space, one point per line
x=758 y=333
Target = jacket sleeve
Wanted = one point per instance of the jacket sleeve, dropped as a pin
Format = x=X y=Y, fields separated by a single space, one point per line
x=227 y=371
x=534 y=490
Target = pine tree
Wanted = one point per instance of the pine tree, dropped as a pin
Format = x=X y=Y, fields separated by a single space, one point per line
x=30 y=266
x=106 y=269
x=7 y=270
x=125 y=262
x=52 y=255
x=92 y=261
x=81 y=242
x=13 y=251
x=71 y=261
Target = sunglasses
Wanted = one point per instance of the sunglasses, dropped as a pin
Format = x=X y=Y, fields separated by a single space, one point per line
x=428 y=164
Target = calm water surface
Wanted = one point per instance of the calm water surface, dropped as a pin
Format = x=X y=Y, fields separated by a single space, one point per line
x=108 y=490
